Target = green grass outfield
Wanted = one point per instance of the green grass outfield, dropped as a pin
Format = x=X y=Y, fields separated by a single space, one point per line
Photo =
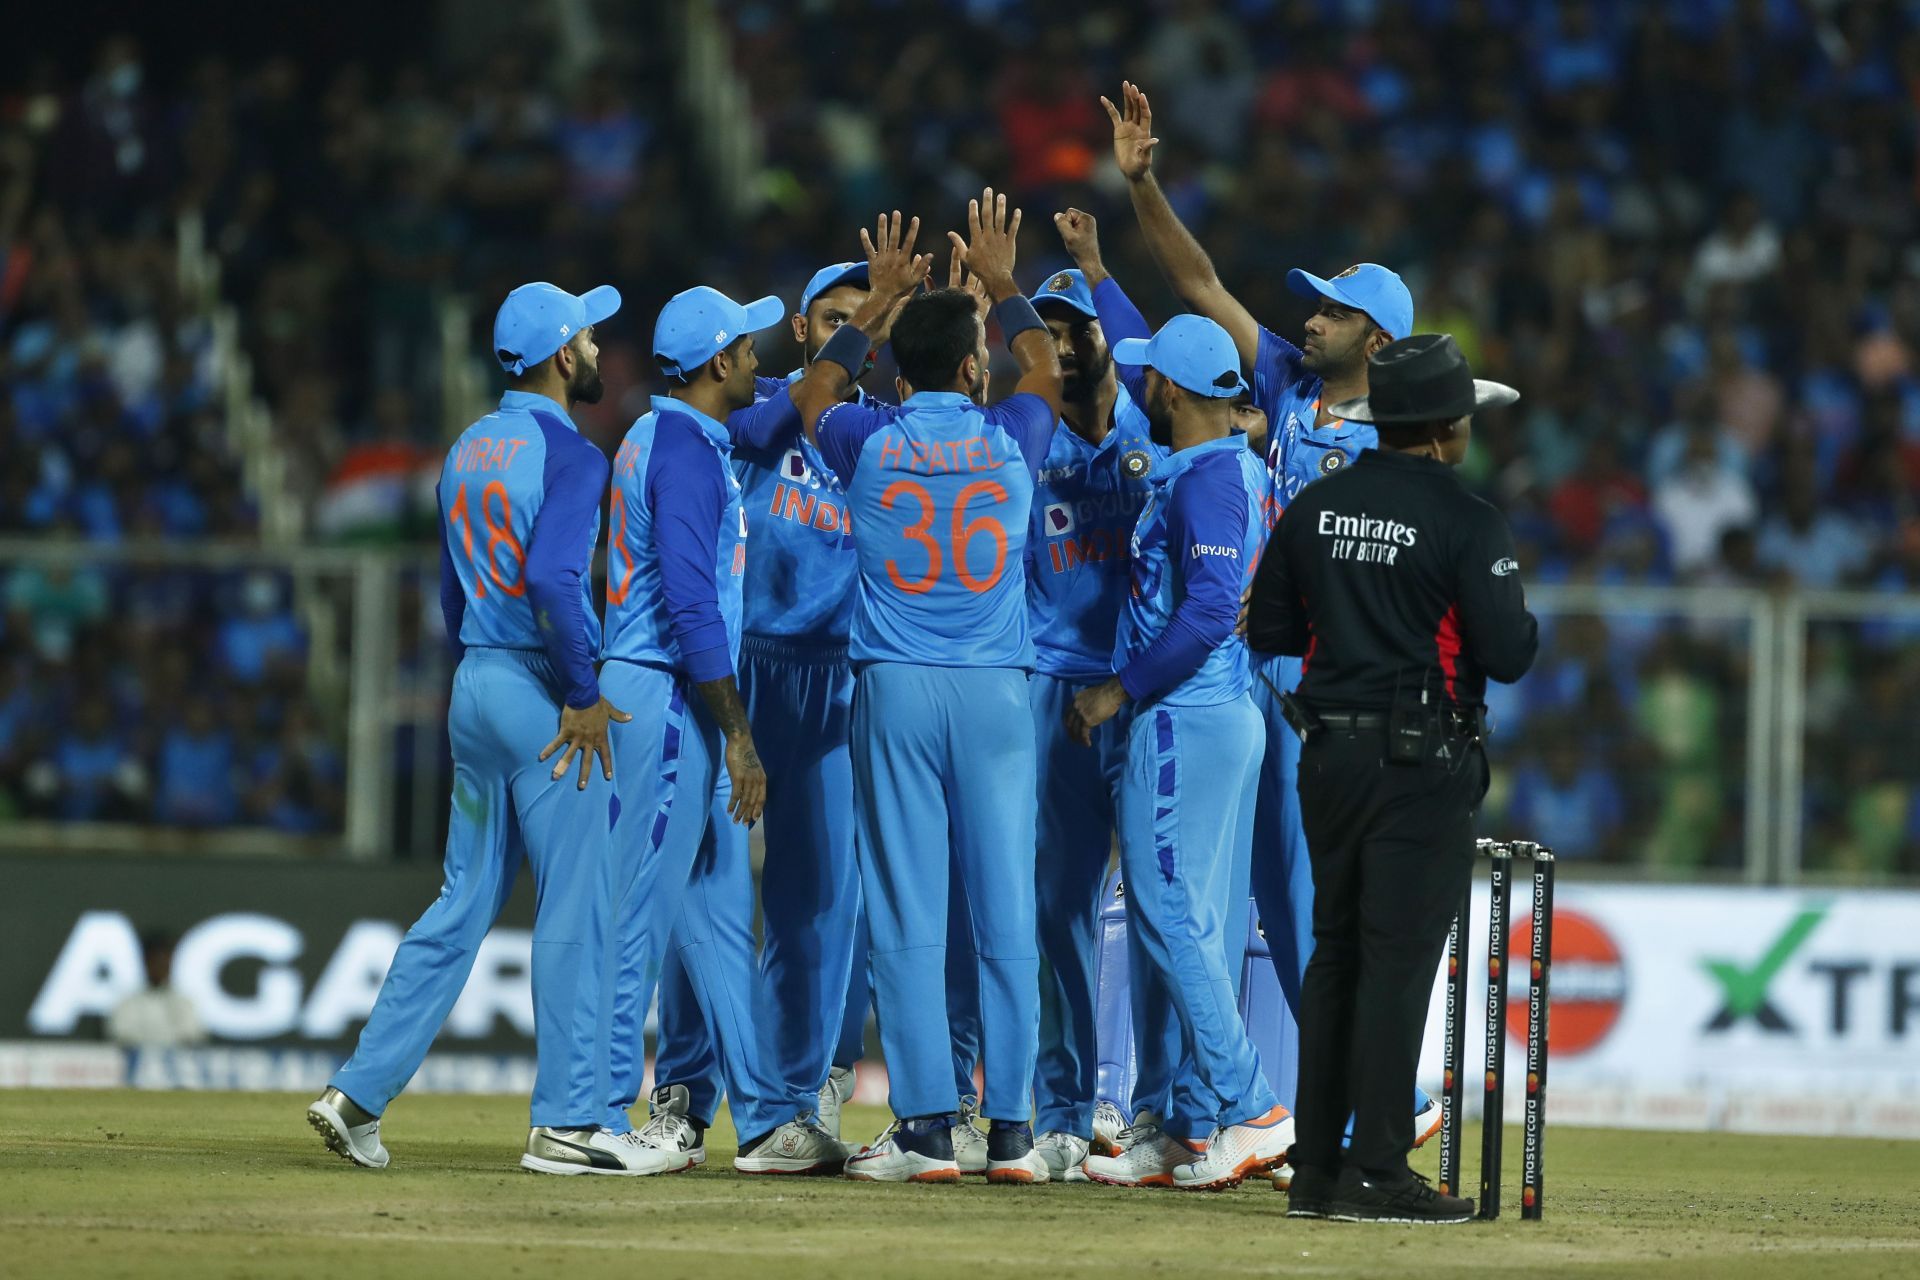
x=233 y=1185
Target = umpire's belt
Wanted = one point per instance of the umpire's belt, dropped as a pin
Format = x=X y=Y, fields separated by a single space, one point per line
x=1454 y=723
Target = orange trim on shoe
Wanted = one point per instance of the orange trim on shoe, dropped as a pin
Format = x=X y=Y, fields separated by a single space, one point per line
x=1269 y=1119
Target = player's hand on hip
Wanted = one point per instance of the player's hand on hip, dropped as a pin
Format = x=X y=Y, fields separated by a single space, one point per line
x=1080 y=233
x=1133 y=139
x=583 y=731
x=989 y=244
x=1094 y=707
x=748 y=777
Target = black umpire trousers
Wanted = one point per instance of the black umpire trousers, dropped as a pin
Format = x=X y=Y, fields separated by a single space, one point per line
x=1392 y=853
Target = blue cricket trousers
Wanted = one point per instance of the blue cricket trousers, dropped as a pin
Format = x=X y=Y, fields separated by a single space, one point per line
x=1185 y=836
x=1077 y=794
x=943 y=762
x=504 y=710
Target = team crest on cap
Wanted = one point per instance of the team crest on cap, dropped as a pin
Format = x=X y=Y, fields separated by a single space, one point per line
x=1136 y=463
x=1350 y=271
x=1060 y=283
x=1332 y=461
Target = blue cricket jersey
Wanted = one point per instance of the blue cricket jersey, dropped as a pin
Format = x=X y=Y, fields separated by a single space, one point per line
x=519 y=516
x=1298 y=452
x=801 y=570
x=941 y=492
x=678 y=547
x=1085 y=501
x=1195 y=544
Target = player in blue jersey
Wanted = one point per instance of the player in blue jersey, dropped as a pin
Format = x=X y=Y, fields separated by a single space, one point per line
x=1090 y=489
x=674 y=575
x=1360 y=310
x=941 y=490
x=519 y=516
x=1194 y=744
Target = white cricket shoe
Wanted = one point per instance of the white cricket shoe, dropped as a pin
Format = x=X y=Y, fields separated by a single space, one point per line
x=905 y=1155
x=1238 y=1150
x=1426 y=1122
x=671 y=1128
x=836 y=1093
x=800 y=1147
x=350 y=1131
x=1148 y=1158
x=1064 y=1155
x=969 y=1144
x=575 y=1151
x=1108 y=1122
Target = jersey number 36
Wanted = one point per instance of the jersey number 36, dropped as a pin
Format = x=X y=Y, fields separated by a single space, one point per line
x=961 y=533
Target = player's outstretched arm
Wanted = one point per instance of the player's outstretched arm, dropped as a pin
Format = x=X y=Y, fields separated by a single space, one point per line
x=988 y=251
x=894 y=271
x=1181 y=260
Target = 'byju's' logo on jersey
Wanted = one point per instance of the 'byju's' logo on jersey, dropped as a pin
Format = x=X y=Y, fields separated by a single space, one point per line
x=793 y=466
x=1059 y=518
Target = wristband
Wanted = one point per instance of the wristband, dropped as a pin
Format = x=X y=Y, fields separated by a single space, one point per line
x=848 y=348
x=1016 y=316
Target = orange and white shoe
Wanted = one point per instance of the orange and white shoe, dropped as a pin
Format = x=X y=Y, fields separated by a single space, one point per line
x=1236 y=1151
x=909 y=1151
x=1426 y=1122
x=1108 y=1124
x=1011 y=1156
x=1150 y=1158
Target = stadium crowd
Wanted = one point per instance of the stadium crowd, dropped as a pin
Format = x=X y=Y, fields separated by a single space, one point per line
x=1683 y=228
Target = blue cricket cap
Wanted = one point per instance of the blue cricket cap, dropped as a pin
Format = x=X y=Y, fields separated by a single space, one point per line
x=828 y=277
x=1068 y=289
x=1367 y=287
x=1191 y=351
x=537 y=320
x=698 y=324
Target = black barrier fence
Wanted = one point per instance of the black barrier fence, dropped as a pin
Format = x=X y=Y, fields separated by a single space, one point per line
x=270 y=954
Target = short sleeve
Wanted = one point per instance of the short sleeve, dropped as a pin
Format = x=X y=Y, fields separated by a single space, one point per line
x=1028 y=419
x=843 y=431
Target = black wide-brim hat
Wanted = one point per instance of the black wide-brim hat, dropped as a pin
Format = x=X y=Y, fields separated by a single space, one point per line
x=1423 y=378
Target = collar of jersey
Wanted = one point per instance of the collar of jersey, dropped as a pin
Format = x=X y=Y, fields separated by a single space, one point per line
x=1179 y=460
x=1338 y=429
x=533 y=402
x=940 y=400
x=859 y=392
x=712 y=430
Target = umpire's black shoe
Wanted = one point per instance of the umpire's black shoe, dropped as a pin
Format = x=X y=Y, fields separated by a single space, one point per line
x=1310 y=1194
x=1361 y=1197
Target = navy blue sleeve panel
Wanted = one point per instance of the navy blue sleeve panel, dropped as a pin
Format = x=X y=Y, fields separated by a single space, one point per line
x=771 y=422
x=560 y=558
x=1119 y=319
x=453 y=597
x=844 y=429
x=687 y=487
x=1277 y=615
x=1030 y=422
x=1501 y=635
x=1206 y=530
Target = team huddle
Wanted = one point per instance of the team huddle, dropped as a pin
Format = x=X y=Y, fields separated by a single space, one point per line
x=945 y=651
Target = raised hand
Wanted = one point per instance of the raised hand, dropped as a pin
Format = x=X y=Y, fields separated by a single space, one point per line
x=893 y=268
x=989 y=245
x=1133 y=139
x=1081 y=235
x=958 y=277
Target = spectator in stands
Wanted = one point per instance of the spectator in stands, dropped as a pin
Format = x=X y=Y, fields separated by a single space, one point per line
x=158 y=1017
x=194 y=783
x=1702 y=500
x=1573 y=798
x=1809 y=547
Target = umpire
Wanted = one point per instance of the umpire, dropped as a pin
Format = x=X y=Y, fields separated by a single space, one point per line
x=1400 y=591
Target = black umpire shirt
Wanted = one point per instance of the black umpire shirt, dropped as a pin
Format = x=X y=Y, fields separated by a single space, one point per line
x=1388 y=579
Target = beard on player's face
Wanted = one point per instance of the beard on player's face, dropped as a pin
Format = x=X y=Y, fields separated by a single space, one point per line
x=1159 y=409
x=585 y=386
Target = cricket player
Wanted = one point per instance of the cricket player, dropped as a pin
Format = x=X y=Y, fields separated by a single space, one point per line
x=942 y=744
x=1090 y=489
x=810 y=979
x=675 y=569
x=1193 y=746
x=519 y=516
x=1361 y=310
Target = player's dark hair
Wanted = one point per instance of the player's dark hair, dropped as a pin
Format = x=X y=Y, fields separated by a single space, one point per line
x=934 y=333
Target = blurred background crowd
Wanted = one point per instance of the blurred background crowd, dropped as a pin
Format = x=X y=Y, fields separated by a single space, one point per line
x=1685 y=229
